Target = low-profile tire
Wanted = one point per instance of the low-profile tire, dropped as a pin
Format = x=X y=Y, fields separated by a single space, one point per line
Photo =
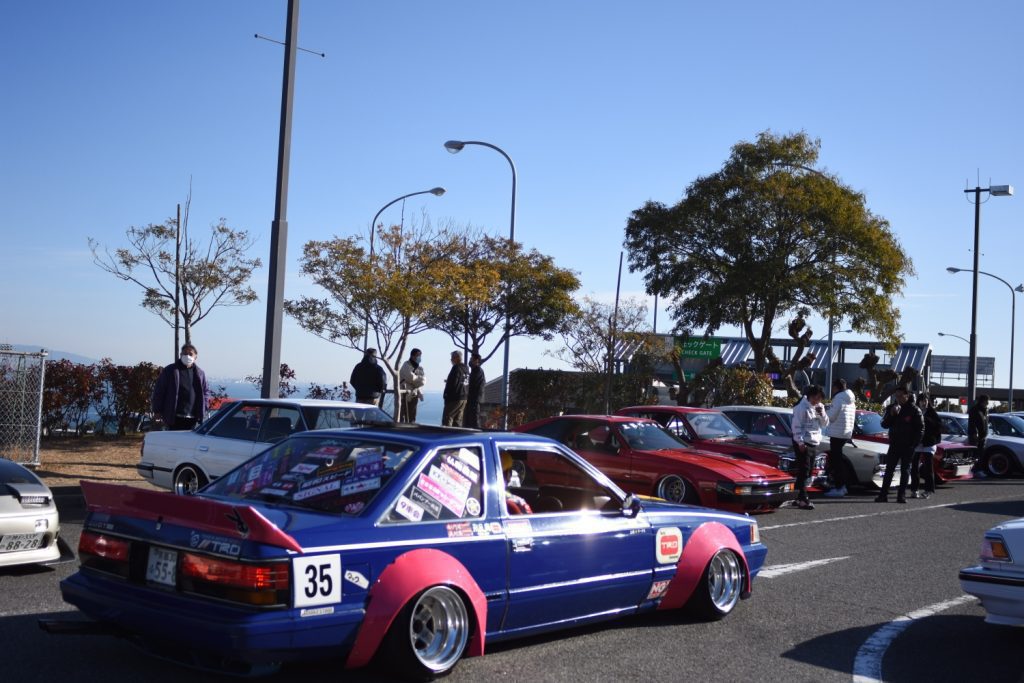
x=719 y=589
x=430 y=634
x=1000 y=463
x=188 y=479
x=675 y=489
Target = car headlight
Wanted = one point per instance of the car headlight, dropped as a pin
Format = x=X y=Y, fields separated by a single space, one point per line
x=993 y=549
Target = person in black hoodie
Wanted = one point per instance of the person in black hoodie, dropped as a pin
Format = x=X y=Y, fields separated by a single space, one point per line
x=906 y=428
x=456 y=390
x=477 y=380
x=977 y=432
x=924 y=456
x=368 y=379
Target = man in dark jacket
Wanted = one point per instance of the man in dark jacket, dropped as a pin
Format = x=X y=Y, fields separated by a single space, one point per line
x=368 y=379
x=977 y=432
x=456 y=390
x=181 y=393
x=906 y=428
x=477 y=380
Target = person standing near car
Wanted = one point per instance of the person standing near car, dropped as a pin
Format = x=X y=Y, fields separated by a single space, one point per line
x=977 y=433
x=181 y=393
x=456 y=390
x=412 y=378
x=924 y=457
x=477 y=380
x=809 y=419
x=906 y=428
x=368 y=379
x=841 y=417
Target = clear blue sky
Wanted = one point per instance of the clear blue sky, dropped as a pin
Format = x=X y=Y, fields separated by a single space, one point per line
x=110 y=107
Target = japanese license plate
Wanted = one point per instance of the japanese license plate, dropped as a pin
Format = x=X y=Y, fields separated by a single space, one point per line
x=12 y=543
x=162 y=566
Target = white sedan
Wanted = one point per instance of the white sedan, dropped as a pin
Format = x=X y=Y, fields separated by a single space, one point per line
x=29 y=525
x=998 y=581
x=185 y=461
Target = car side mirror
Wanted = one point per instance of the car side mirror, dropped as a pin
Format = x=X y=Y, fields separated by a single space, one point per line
x=630 y=506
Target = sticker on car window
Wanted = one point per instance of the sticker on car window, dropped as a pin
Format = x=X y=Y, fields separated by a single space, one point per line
x=409 y=509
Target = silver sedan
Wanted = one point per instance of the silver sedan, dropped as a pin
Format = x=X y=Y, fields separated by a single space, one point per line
x=29 y=525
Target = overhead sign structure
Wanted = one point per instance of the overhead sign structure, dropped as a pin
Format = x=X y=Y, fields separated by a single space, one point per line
x=699 y=348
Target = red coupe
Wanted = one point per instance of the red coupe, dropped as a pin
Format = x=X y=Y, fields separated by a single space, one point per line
x=642 y=457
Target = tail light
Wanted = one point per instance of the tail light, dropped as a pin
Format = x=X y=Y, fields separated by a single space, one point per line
x=252 y=584
x=105 y=553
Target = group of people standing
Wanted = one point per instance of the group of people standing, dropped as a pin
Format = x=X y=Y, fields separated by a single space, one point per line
x=463 y=388
x=914 y=431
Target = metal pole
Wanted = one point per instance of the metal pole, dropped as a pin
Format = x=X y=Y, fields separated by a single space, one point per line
x=279 y=227
x=611 y=344
x=508 y=314
x=828 y=372
x=1013 y=325
x=177 y=283
x=972 y=364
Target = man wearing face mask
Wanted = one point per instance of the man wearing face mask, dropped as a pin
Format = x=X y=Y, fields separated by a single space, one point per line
x=412 y=377
x=181 y=392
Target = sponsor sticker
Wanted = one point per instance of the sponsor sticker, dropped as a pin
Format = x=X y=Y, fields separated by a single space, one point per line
x=355 y=507
x=271 y=491
x=305 y=468
x=518 y=527
x=316 y=612
x=409 y=509
x=658 y=589
x=360 y=486
x=471 y=474
x=357 y=579
x=317 y=490
x=472 y=507
x=437 y=491
x=668 y=545
x=429 y=505
x=459 y=529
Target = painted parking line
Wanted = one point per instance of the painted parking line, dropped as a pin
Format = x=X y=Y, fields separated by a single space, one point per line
x=867 y=665
x=904 y=510
x=780 y=569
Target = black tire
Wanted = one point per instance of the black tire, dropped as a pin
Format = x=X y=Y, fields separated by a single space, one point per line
x=675 y=489
x=430 y=634
x=1000 y=462
x=719 y=589
x=188 y=479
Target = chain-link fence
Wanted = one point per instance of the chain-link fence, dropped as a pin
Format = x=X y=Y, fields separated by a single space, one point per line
x=21 y=404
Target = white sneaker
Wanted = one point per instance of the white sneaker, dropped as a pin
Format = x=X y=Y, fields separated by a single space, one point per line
x=836 y=493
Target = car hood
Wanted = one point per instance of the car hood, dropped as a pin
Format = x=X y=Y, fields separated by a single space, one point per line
x=725 y=465
x=747 y=442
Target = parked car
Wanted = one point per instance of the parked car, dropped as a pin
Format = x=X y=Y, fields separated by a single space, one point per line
x=998 y=578
x=865 y=460
x=29 y=523
x=952 y=460
x=397 y=541
x=867 y=426
x=643 y=458
x=1005 y=453
x=712 y=430
x=185 y=461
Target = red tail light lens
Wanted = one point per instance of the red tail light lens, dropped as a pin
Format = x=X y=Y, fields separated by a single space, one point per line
x=104 y=547
x=253 y=584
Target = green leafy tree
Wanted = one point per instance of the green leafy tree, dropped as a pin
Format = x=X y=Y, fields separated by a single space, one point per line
x=770 y=237
x=497 y=279
x=211 y=275
x=392 y=293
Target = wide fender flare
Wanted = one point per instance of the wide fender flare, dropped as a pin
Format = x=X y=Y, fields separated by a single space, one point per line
x=707 y=540
x=401 y=581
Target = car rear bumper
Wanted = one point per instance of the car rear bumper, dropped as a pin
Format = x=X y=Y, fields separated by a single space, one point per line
x=170 y=624
x=1002 y=596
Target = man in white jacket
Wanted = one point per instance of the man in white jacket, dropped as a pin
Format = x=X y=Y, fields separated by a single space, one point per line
x=412 y=379
x=841 y=417
x=809 y=419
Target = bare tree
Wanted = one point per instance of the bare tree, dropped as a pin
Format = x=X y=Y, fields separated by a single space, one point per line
x=210 y=275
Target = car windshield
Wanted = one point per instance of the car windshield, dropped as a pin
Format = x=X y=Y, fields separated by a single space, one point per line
x=649 y=436
x=714 y=426
x=955 y=425
x=331 y=474
x=870 y=423
x=343 y=418
x=1012 y=426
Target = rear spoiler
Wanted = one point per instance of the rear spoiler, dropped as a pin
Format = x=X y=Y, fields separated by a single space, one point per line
x=236 y=521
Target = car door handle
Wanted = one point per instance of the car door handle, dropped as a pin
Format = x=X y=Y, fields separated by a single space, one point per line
x=204 y=448
x=522 y=545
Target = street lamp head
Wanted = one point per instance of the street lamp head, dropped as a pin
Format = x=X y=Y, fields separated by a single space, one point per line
x=951 y=269
x=1019 y=288
x=942 y=334
x=1001 y=190
x=437 y=191
x=454 y=146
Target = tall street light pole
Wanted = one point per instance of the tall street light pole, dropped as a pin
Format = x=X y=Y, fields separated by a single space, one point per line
x=1013 y=319
x=437 y=192
x=456 y=146
x=972 y=363
x=279 y=227
x=947 y=334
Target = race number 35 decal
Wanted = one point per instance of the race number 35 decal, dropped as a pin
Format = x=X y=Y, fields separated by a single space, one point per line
x=316 y=580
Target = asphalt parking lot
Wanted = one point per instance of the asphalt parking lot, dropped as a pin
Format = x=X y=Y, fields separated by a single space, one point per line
x=853 y=590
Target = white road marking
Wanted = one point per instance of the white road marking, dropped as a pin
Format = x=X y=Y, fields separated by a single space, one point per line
x=903 y=510
x=867 y=665
x=780 y=569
